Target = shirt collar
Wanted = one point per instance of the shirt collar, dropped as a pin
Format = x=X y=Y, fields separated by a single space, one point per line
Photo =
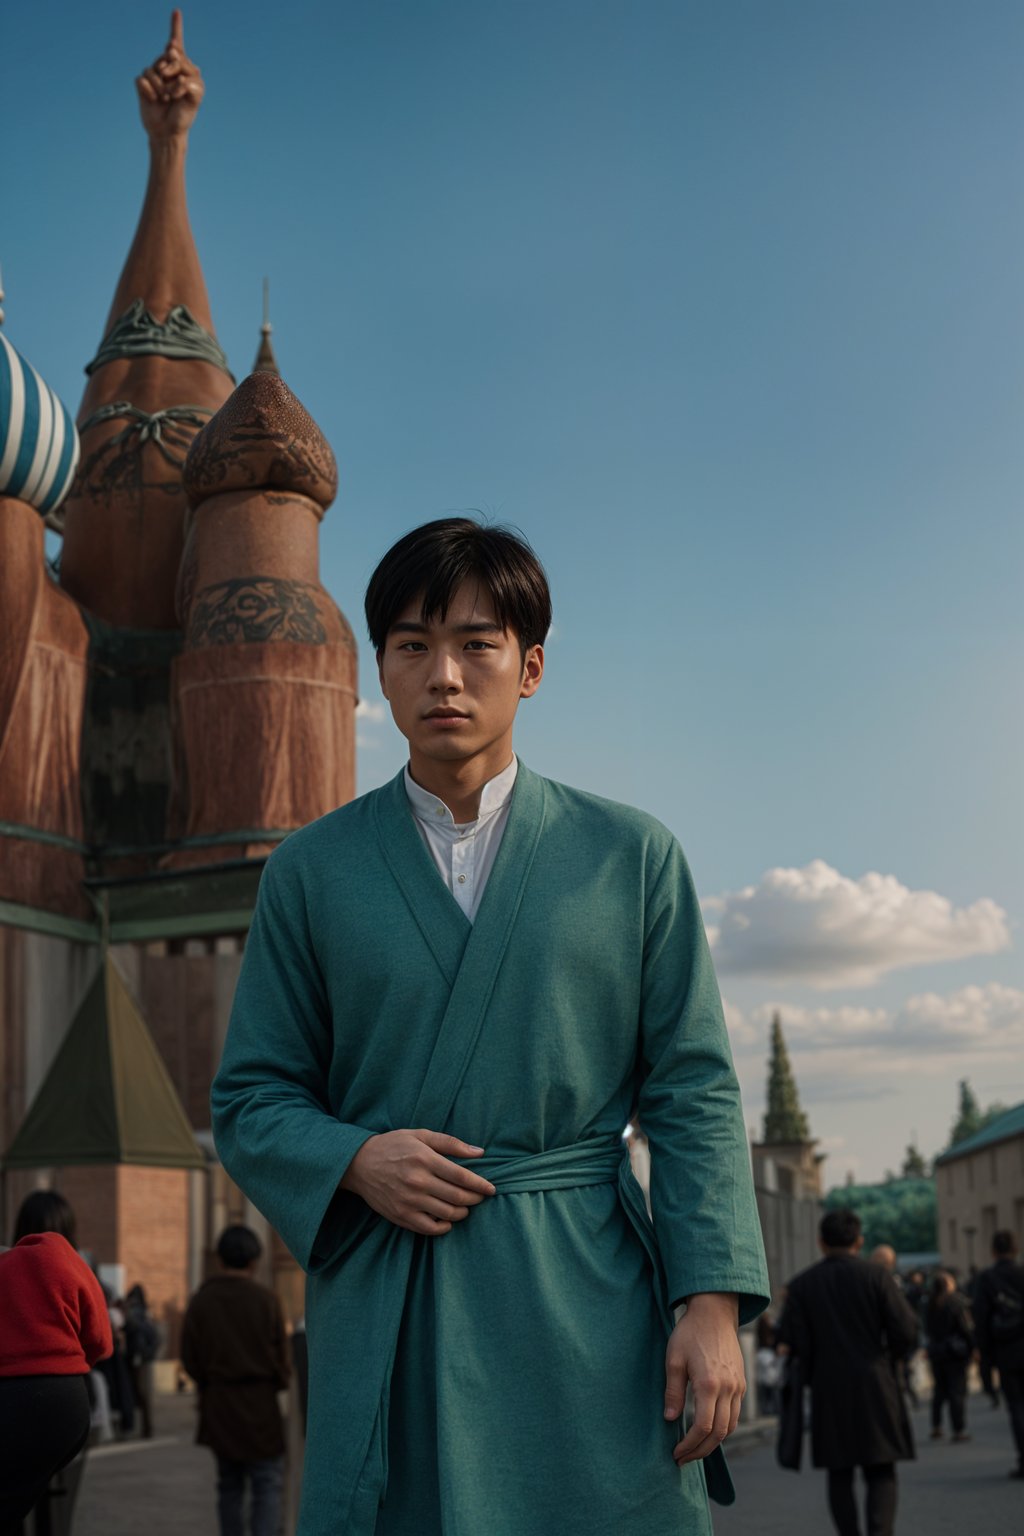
x=494 y=796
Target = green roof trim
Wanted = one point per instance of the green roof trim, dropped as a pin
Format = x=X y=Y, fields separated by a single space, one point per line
x=207 y=901
x=1010 y=1124
x=107 y=1098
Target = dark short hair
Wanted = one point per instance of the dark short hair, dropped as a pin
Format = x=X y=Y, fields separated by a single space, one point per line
x=44 y=1210
x=840 y=1229
x=1004 y=1243
x=938 y=1289
x=238 y=1247
x=432 y=562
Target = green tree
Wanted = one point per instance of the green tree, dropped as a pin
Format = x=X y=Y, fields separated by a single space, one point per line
x=901 y=1212
x=968 y=1121
x=784 y=1119
x=914 y=1165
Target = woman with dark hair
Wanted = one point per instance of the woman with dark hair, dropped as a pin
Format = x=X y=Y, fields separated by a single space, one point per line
x=950 y=1346
x=53 y=1328
x=45 y=1210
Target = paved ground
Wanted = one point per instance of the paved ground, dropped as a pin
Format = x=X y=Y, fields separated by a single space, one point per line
x=948 y=1491
x=164 y=1486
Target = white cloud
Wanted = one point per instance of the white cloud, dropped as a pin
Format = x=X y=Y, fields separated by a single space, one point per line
x=881 y=1077
x=369 y=712
x=852 y=1048
x=822 y=928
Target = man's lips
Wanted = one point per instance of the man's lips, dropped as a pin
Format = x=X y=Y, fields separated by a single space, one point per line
x=446 y=714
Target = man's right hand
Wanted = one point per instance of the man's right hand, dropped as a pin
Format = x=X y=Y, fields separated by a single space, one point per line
x=408 y=1177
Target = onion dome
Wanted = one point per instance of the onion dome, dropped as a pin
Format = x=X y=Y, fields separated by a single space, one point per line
x=38 y=439
x=261 y=438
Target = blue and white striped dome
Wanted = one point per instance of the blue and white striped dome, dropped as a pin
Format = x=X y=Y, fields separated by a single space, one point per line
x=38 y=439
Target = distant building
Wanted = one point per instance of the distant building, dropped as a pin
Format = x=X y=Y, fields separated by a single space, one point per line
x=787 y=1174
x=980 y=1189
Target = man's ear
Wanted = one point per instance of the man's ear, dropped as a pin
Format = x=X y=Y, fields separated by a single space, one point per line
x=533 y=671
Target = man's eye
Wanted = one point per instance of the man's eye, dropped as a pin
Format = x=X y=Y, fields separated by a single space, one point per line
x=412 y=645
x=479 y=645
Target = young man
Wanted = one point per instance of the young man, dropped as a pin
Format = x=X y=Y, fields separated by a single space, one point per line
x=848 y=1325
x=455 y=992
x=235 y=1348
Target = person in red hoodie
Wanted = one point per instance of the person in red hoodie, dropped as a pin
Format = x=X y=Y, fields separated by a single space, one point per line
x=54 y=1326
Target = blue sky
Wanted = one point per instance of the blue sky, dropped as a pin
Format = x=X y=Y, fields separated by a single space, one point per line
x=722 y=304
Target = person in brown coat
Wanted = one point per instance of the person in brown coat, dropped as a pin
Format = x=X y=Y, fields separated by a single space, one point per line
x=848 y=1325
x=234 y=1346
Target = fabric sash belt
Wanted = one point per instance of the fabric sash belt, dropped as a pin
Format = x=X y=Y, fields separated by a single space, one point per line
x=582 y=1164
x=572 y=1167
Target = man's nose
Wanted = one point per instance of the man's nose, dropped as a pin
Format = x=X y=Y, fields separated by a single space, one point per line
x=446 y=673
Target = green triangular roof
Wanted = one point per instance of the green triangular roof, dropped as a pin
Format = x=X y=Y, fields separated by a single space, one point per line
x=107 y=1097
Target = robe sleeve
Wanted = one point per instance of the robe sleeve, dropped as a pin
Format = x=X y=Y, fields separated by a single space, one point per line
x=702 y=1191
x=272 y=1124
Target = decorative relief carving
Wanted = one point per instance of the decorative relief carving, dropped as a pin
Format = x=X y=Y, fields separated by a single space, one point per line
x=115 y=466
x=256 y=609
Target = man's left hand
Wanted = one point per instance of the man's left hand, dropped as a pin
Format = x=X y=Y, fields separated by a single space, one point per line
x=704 y=1351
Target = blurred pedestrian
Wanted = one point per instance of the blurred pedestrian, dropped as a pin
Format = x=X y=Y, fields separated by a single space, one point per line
x=999 y=1318
x=142 y=1344
x=986 y=1370
x=847 y=1324
x=950 y=1346
x=885 y=1254
x=115 y=1372
x=234 y=1346
x=53 y=1328
x=768 y=1368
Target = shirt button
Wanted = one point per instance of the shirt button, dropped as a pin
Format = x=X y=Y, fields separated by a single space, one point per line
x=462 y=879
x=440 y=810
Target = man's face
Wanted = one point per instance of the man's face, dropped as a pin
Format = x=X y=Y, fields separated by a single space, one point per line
x=454 y=685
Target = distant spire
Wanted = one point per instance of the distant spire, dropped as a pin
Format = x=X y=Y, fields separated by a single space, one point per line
x=784 y=1120
x=266 y=362
x=1 y=299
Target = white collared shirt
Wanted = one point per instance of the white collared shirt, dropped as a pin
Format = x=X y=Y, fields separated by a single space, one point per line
x=464 y=855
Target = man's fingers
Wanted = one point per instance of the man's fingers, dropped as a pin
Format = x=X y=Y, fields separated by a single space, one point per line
x=446 y=1147
x=425 y=1225
x=177 y=39
x=712 y=1416
x=146 y=88
x=462 y=1178
x=449 y=1146
x=442 y=1210
x=438 y=1187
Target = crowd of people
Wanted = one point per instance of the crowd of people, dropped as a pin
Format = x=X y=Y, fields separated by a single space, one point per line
x=74 y=1358
x=853 y=1332
x=75 y=1370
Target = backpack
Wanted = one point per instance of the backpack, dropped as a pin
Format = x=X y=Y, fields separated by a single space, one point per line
x=1007 y=1316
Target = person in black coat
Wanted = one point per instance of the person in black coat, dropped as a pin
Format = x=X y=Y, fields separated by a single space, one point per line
x=999 y=1319
x=950 y=1346
x=847 y=1323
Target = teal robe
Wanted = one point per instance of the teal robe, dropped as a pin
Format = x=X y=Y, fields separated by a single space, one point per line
x=507 y=1378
